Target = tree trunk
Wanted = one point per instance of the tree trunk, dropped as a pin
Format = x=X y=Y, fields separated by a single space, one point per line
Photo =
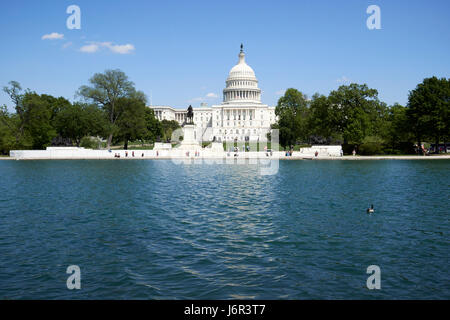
x=125 y=146
x=108 y=144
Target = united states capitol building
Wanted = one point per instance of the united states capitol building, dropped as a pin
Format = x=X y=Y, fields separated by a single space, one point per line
x=241 y=116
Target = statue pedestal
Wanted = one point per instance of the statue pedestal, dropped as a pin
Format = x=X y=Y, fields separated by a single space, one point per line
x=217 y=146
x=189 y=142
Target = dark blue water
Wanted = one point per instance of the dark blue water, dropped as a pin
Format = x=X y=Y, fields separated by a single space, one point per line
x=156 y=230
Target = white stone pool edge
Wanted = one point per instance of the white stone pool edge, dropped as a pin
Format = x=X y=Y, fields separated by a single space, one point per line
x=73 y=153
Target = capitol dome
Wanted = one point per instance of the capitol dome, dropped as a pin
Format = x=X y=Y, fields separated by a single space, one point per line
x=241 y=84
x=241 y=70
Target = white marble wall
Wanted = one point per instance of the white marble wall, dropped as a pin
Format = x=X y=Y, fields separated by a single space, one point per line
x=215 y=152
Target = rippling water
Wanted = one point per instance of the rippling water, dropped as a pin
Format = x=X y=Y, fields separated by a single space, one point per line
x=157 y=230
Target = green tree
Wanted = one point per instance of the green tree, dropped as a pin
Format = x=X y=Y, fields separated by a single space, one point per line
x=167 y=127
x=378 y=117
x=428 y=109
x=131 y=125
x=14 y=91
x=320 y=120
x=397 y=127
x=154 y=128
x=55 y=104
x=352 y=110
x=79 y=120
x=292 y=111
x=7 y=131
x=106 y=89
x=38 y=119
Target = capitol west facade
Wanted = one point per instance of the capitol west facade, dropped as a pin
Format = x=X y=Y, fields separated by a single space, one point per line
x=241 y=116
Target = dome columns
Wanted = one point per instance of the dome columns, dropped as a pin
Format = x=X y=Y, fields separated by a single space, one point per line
x=236 y=94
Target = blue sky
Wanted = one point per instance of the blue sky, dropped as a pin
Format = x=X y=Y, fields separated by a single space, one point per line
x=180 y=52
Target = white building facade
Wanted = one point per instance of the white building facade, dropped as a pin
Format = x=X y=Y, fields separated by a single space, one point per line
x=241 y=116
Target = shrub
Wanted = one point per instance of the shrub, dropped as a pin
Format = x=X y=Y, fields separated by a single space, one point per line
x=370 y=148
x=88 y=143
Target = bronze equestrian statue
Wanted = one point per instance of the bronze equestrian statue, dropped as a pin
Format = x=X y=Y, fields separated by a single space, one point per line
x=190 y=115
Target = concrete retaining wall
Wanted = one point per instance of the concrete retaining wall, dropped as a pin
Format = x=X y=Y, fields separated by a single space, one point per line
x=81 y=153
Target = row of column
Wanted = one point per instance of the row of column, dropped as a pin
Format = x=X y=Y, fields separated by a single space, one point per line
x=239 y=114
x=180 y=116
x=231 y=84
x=236 y=95
x=158 y=114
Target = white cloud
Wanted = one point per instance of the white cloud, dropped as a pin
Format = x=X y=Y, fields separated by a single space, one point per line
x=121 y=49
x=343 y=80
x=115 y=48
x=210 y=95
x=66 y=45
x=90 y=48
x=53 y=36
x=280 y=92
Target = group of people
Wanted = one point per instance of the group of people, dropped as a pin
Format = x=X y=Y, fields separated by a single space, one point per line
x=117 y=155
x=235 y=150
x=196 y=154
x=421 y=150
